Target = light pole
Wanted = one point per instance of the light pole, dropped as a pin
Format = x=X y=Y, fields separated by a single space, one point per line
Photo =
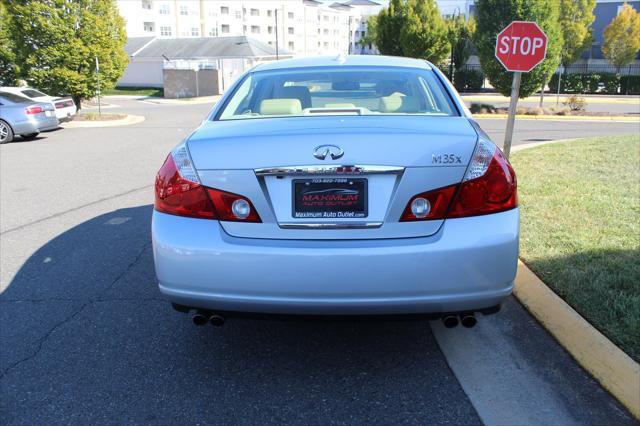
x=276 y=14
x=453 y=19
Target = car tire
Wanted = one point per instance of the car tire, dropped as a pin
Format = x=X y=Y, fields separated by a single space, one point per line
x=30 y=136
x=6 y=133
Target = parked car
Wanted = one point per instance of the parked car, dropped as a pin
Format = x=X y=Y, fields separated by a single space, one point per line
x=356 y=185
x=65 y=107
x=23 y=117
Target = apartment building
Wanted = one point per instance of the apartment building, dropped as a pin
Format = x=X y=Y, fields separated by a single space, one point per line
x=304 y=27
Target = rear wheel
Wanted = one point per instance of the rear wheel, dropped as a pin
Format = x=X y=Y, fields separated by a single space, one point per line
x=30 y=136
x=6 y=134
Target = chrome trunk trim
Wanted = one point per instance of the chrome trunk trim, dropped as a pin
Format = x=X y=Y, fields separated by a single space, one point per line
x=333 y=169
x=343 y=225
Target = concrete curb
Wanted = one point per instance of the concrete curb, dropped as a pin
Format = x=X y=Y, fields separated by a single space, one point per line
x=607 y=363
x=129 y=119
x=623 y=119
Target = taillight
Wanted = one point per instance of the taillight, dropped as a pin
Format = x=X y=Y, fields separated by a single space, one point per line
x=489 y=186
x=178 y=191
x=33 y=109
x=435 y=202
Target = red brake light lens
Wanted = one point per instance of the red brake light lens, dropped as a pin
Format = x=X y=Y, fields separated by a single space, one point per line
x=33 y=109
x=438 y=200
x=493 y=192
x=177 y=195
x=489 y=186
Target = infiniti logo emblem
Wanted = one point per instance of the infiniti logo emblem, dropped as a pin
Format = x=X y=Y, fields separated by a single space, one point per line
x=324 y=151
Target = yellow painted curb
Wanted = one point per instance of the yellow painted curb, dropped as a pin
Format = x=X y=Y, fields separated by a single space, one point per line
x=618 y=118
x=550 y=98
x=607 y=363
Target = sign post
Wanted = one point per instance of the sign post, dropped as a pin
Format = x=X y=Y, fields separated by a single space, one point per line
x=520 y=47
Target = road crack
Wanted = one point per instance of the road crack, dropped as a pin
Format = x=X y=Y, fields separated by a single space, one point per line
x=75 y=313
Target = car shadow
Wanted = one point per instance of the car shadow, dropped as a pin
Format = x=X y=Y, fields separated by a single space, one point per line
x=87 y=336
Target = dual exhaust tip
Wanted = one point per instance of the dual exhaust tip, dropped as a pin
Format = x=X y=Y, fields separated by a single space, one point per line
x=468 y=320
x=201 y=318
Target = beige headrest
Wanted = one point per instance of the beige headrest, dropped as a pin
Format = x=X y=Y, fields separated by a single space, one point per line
x=396 y=103
x=280 y=107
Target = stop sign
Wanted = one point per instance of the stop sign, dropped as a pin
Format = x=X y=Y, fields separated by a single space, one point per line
x=521 y=46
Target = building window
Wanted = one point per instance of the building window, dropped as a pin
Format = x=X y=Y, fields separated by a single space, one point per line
x=184 y=10
x=270 y=30
x=224 y=28
x=195 y=32
x=147 y=4
x=269 y=13
x=254 y=12
x=255 y=29
x=165 y=9
x=149 y=27
x=291 y=45
x=290 y=15
x=244 y=29
x=326 y=44
x=363 y=33
x=325 y=18
x=238 y=14
x=213 y=32
x=165 y=31
x=290 y=30
x=325 y=32
x=224 y=10
x=270 y=43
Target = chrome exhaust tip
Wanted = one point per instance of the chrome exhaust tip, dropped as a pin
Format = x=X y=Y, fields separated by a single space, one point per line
x=216 y=320
x=468 y=320
x=198 y=318
x=450 y=321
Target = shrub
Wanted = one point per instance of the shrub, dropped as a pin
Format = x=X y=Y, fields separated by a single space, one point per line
x=466 y=80
x=482 y=109
x=630 y=84
x=575 y=103
x=534 y=111
x=611 y=82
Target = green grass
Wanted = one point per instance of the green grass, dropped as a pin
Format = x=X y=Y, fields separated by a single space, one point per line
x=135 y=91
x=580 y=228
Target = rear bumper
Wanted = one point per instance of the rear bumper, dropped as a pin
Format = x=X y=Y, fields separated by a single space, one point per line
x=470 y=264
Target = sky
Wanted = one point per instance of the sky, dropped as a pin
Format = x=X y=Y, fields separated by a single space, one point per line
x=446 y=6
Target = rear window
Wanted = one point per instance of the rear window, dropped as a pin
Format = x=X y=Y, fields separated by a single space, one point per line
x=338 y=91
x=32 y=93
x=15 y=98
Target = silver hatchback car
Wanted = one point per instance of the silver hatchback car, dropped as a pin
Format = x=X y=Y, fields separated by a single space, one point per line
x=356 y=185
x=20 y=116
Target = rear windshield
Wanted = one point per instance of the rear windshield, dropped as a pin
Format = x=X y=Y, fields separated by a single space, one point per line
x=339 y=91
x=14 y=98
x=32 y=93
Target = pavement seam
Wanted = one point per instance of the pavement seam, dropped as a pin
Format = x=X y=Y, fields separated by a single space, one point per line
x=70 y=317
x=53 y=216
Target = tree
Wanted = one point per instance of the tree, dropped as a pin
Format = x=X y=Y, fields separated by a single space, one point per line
x=388 y=27
x=460 y=32
x=8 y=68
x=492 y=16
x=370 y=36
x=622 y=37
x=411 y=28
x=424 y=33
x=57 y=43
x=576 y=17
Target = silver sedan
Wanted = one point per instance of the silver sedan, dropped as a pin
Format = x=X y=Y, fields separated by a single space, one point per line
x=337 y=186
x=20 y=116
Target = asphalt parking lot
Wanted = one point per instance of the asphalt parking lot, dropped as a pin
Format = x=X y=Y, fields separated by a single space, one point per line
x=85 y=336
